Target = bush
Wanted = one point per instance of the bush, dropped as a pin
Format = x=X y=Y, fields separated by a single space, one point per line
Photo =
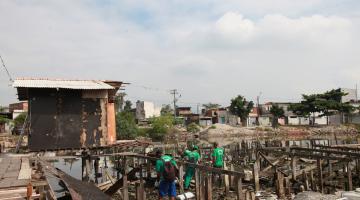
x=160 y=126
x=19 y=120
x=212 y=127
x=193 y=128
x=126 y=127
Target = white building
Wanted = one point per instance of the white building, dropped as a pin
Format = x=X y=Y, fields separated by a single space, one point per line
x=146 y=110
x=351 y=95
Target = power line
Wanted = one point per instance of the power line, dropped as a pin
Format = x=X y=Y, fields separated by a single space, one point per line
x=7 y=71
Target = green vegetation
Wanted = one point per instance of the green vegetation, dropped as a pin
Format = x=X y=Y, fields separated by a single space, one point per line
x=166 y=110
x=241 y=107
x=119 y=101
x=160 y=126
x=193 y=128
x=127 y=106
x=209 y=106
x=212 y=127
x=3 y=120
x=126 y=127
x=277 y=112
x=20 y=119
x=327 y=104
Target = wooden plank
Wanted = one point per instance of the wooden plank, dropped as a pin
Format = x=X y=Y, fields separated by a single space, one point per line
x=25 y=169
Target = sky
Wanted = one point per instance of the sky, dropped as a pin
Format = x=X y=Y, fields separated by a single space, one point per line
x=210 y=51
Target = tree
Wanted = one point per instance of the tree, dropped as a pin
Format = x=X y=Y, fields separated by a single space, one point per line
x=241 y=108
x=19 y=120
x=119 y=101
x=209 y=106
x=326 y=104
x=127 y=106
x=276 y=112
x=193 y=128
x=160 y=126
x=3 y=120
x=126 y=127
x=166 y=110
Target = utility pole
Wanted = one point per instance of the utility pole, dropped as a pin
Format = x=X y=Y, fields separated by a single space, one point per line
x=174 y=93
x=258 y=108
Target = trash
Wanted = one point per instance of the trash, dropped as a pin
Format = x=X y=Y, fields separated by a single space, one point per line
x=187 y=195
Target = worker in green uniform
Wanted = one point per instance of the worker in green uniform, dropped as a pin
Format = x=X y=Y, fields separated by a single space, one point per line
x=217 y=156
x=192 y=157
x=217 y=161
x=166 y=168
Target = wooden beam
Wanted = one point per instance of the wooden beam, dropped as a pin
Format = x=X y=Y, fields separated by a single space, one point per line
x=320 y=175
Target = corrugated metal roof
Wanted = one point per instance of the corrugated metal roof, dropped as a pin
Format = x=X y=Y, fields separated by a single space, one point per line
x=61 y=83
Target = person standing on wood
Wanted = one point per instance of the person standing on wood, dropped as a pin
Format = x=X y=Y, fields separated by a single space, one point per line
x=166 y=173
x=192 y=157
x=218 y=158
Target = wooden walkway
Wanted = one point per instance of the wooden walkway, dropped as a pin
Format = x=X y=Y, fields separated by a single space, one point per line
x=15 y=175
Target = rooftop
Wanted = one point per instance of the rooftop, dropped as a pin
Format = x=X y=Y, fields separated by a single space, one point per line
x=62 y=83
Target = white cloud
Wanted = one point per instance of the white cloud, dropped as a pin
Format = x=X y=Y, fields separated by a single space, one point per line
x=209 y=51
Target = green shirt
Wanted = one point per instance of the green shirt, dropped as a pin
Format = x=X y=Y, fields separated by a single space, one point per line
x=159 y=166
x=218 y=153
x=196 y=155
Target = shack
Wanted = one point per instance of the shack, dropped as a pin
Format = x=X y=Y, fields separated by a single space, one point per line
x=68 y=114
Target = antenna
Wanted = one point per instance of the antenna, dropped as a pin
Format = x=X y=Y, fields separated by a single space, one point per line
x=7 y=71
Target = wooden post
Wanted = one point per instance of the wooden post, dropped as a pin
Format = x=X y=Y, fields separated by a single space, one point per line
x=349 y=175
x=88 y=167
x=125 y=182
x=256 y=175
x=42 y=193
x=239 y=192
x=208 y=187
x=293 y=167
x=312 y=181
x=232 y=178
x=181 y=178
x=329 y=167
x=287 y=187
x=202 y=188
x=320 y=176
x=197 y=183
x=280 y=185
x=140 y=193
x=226 y=181
x=83 y=168
x=306 y=181
x=96 y=169
x=148 y=168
